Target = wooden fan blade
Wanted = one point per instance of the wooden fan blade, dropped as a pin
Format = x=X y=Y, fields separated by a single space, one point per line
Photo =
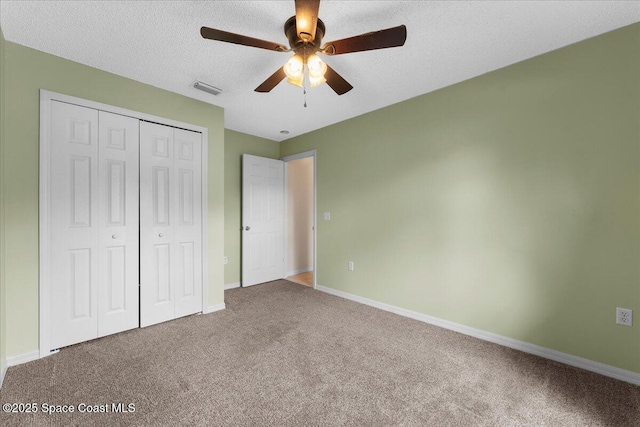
x=272 y=81
x=391 y=37
x=336 y=82
x=224 y=36
x=307 y=18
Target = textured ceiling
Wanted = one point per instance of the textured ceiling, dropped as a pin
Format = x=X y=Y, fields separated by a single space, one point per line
x=159 y=43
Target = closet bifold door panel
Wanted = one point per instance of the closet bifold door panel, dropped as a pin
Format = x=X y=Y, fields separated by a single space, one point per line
x=74 y=224
x=170 y=223
x=118 y=216
x=93 y=223
x=188 y=227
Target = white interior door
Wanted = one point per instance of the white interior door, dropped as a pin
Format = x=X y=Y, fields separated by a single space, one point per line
x=170 y=223
x=118 y=258
x=73 y=224
x=262 y=220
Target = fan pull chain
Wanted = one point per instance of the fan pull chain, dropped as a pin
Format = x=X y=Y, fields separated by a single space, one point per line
x=304 y=81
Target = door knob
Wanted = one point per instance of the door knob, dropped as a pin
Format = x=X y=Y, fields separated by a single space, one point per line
x=247 y=228
x=114 y=236
x=161 y=235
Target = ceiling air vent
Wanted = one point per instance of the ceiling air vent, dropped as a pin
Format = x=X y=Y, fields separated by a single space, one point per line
x=207 y=88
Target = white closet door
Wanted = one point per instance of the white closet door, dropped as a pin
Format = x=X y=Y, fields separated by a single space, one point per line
x=118 y=263
x=73 y=224
x=170 y=223
x=157 y=211
x=188 y=225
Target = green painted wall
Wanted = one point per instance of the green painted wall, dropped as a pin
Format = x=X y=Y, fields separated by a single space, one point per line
x=235 y=145
x=508 y=203
x=2 y=203
x=27 y=71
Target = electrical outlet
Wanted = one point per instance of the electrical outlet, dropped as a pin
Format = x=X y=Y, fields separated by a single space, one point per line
x=351 y=266
x=624 y=316
x=226 y=260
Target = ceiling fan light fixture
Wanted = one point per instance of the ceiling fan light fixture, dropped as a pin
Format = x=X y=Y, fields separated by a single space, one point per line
x=317 y=68
x=316 y=81
x=297 y=81
x=294 y=68
x=305 y=31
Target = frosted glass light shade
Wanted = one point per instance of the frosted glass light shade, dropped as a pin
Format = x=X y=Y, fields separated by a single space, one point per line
x=316 y=66
x=294 y=69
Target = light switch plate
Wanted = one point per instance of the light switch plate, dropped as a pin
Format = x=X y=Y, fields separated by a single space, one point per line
x=327 y=216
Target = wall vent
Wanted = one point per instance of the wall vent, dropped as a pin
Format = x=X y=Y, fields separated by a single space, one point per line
x=207 y=88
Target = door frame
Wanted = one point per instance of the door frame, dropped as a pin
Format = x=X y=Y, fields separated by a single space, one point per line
x=44 y=236
x=286 y=160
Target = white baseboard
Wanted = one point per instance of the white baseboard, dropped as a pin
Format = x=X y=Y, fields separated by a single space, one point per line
x=231 y=285
x=3 y=372
x=23 y=358
x=294 y=272
x=568 y=359
x=214 y=308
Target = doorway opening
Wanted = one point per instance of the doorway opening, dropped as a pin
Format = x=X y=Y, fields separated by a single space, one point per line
x=300 y=221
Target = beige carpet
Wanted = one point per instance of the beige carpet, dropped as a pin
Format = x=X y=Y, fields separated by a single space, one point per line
x=285 y=355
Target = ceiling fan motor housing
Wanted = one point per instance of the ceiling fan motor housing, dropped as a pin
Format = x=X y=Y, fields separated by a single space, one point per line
x=298 y=45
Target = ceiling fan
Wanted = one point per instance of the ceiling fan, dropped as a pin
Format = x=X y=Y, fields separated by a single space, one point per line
x=304 y=32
